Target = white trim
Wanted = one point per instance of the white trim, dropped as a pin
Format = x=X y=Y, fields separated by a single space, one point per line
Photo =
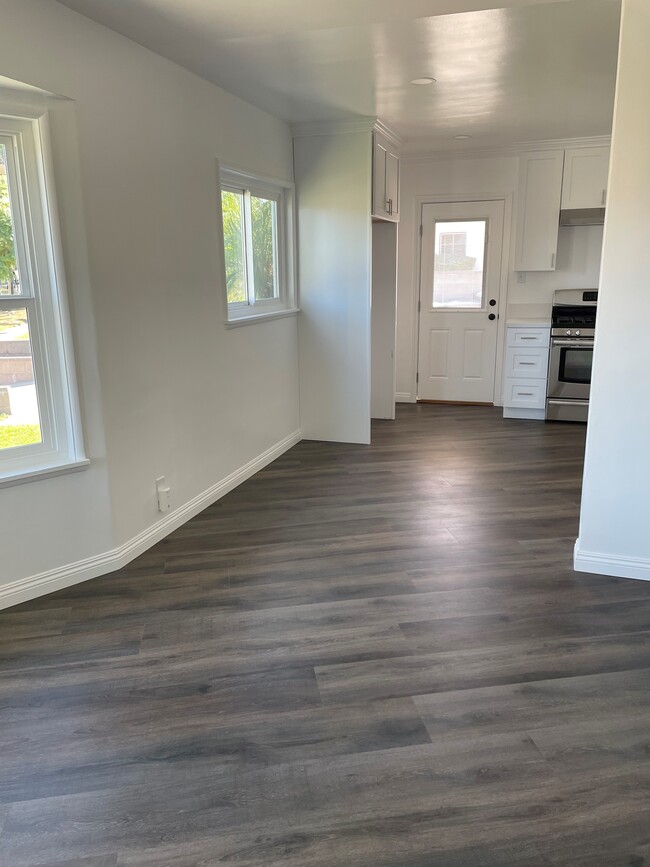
x=35 y=473
x=388 y=133
x=592 y=141
x=338 y=127
x=40 y=259
x=420 y=155
x=75 y=430
x=283 y=193
x=404 y=397
x=91 y=567
x=506 y=256
x=241 y=173
x=610 y=564
x=262 y=317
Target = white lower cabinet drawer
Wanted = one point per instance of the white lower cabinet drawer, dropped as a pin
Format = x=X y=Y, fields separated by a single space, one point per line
x=529 y=393
x=528 y=363
x=531 y=337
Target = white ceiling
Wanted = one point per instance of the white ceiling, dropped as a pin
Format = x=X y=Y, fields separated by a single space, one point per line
x=533 y=70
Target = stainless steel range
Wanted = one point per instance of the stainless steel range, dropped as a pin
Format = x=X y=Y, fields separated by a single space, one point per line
x=573 y=326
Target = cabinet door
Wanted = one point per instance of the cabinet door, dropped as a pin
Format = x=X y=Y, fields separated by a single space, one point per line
x=585 y=177
x=379 y=178
x=538 y=216
x=385 y=179
x=392 y=184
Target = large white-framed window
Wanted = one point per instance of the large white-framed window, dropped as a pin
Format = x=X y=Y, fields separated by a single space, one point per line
x=39 y=418
x=257 y=224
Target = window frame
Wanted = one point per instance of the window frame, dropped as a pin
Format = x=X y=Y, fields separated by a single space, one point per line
x=284 y=304
x=43 y=294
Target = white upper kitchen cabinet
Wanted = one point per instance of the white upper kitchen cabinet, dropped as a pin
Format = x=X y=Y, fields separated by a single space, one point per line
x=538 y=220
x=385 y=179
x=585 y=178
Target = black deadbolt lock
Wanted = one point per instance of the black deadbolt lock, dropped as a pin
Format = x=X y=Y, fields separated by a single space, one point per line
x=492 y=302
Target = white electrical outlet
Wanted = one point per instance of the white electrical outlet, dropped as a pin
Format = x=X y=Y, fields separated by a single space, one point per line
x=164 y=494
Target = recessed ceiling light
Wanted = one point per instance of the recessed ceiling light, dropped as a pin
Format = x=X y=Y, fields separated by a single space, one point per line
x=423 y=81
x=462 y=137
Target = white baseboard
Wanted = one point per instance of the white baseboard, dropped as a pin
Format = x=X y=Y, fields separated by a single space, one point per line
x=610 y=564
x=404 y=397
x=91 y=567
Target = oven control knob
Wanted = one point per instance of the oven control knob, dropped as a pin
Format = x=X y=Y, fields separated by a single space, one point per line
x=568 y=334
x=577 y=334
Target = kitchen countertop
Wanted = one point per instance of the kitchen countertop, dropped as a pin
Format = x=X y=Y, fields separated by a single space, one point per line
x=535 y=315
x=534 y=321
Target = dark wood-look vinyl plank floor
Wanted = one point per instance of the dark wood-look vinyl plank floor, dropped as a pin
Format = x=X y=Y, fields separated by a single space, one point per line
x=362 y=657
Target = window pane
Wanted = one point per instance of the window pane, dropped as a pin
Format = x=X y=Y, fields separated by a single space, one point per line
x=458 y=264
x=19 y=418
x=9 y=279
x=263 y=212
x=232 y=206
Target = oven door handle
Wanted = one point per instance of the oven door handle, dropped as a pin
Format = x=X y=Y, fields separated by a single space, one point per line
x=587 y=343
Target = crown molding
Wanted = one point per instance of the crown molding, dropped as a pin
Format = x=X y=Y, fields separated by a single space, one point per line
x=592 y=141
x=336 y=127
x=514 y=151
x=389 y=133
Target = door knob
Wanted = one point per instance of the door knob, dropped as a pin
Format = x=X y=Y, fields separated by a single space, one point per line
x=492 y=302
x=492 y=316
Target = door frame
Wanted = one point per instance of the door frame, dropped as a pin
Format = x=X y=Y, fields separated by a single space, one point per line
x=507 y=265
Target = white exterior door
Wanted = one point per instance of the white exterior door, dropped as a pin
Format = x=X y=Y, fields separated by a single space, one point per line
x=460 y=279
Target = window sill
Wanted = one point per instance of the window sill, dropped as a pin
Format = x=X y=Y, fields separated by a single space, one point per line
x=19 y=477
x=261 y=317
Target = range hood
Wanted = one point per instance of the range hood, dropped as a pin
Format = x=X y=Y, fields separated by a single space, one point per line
x=582 y=217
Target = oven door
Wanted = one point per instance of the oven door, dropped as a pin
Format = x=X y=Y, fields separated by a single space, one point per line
x=569 y=369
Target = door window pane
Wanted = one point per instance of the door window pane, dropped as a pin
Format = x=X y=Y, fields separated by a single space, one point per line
x=19 y=416
x=9 y=277
x=459 y=263
x=232 y=205
x=263 y=216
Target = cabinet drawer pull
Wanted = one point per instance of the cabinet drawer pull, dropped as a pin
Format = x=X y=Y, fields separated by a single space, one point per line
x=528 y=338
x=524 y=394
x=527 y=363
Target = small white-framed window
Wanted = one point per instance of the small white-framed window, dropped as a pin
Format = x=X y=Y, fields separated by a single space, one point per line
x=39 y=421
x=257 y=224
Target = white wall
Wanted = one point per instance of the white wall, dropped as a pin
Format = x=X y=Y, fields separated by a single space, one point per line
x=614 y=523
x=333 y=180
x=579 y=251
x=384 y=309
x=490 y=176
x=51 y=522
x=180 y=395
